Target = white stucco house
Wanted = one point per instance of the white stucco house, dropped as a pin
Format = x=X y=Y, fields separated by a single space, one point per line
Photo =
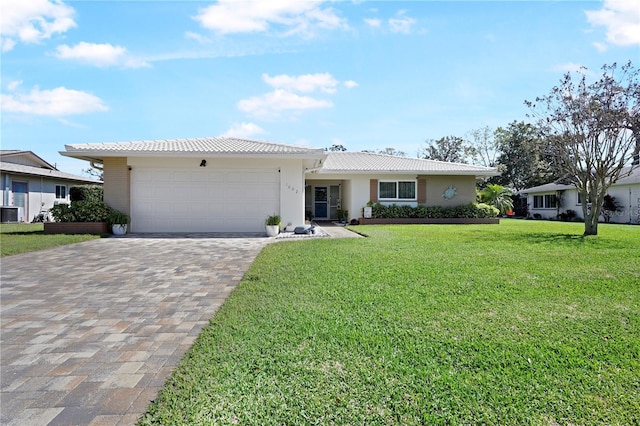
x=542 y=200
x=31 y=184
x=221 y=184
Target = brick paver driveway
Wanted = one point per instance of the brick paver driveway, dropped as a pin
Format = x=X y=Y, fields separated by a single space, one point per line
x=91 y=331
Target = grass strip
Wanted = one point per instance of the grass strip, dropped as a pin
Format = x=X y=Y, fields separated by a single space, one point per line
x=29 y=237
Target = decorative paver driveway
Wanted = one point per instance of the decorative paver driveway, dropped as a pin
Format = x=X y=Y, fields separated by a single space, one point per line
x=90 y=332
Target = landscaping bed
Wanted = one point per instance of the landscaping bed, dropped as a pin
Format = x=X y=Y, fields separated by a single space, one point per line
x=426 y=221
x=95 y=228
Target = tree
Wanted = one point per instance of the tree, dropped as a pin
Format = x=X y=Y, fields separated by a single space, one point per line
x=392 y=151
x=452 y=149
x=96 y=171
x=484 y=146
x=525 y=159
x=336 y=147
x=594 y=131
x=497 y=196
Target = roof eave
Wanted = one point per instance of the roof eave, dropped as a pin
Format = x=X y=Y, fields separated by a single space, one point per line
x=417 y=172
x=99 y=156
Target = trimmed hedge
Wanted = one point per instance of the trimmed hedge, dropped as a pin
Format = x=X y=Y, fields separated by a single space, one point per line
x=465 y=211
x=86 y=193
x=82 y=211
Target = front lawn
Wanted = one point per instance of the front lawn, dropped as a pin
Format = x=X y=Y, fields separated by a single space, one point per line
x=26 y=237
x=525 y=322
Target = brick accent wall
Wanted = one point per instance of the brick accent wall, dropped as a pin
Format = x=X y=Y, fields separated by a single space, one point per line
x=117 y=184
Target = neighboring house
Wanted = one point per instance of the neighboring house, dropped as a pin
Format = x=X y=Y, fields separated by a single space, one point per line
x=30 y=184
x=227 y=184
x=543 y=200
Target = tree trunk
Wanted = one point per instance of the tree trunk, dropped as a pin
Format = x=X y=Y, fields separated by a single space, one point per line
x=590 y=224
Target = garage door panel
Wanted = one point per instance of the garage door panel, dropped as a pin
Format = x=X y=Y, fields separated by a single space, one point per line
x=203 y=200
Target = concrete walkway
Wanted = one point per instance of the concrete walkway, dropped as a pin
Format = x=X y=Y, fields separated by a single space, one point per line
x=91 y=331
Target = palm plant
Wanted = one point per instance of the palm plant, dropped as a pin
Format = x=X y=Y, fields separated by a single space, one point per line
x=497 y=196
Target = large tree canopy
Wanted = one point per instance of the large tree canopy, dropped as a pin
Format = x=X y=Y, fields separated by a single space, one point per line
x=594 y=128
x=453 y=149
x=525 y=158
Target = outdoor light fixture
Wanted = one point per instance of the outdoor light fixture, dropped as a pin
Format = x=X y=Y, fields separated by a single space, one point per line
x=203 y=163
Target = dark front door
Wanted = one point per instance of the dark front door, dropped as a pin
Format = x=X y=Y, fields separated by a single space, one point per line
x=321 y=205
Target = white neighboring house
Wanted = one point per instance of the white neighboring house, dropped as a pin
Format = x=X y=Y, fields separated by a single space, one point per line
x=220 y=184
x=541 y=200
x=30 y=185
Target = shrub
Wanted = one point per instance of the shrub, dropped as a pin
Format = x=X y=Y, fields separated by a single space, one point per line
x=86 y=193
x=465 y=211
x=81 y=211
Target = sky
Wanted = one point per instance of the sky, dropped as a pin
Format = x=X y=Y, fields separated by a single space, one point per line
x=367 y=75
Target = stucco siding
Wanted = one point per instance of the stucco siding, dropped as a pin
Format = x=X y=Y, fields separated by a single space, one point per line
x=436 y=185
x=117 y=184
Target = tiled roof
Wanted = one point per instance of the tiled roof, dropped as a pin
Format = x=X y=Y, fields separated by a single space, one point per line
x=629 y=176
x=39 y=171
x=365 y=162
x=210 y=145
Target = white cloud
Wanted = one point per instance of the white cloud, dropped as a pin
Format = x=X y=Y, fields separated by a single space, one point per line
x=290 y=16
x=244 y=130
x=197 y=37
x=32 y=21
x=13 y=85
x=99 y=55
x=306 y=83
x=570 y=67
x=272 y=104
x=350 y=84
x=600 y=47
x=373 y=22
x=620 y=18
x=56 y=102
x=401 y=23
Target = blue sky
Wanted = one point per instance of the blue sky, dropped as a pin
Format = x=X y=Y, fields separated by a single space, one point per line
x=364 y=74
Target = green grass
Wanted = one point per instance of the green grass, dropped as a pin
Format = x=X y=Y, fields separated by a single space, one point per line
x=28 y=237
x=526 y=322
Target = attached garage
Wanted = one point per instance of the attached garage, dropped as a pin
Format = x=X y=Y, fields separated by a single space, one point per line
x=202 y=185
x=203 y=199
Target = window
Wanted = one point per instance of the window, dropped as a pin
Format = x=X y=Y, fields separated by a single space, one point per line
x=397 y=190
x=544 y=201
x=538 y=201
x=550 y=201
x=61 y=192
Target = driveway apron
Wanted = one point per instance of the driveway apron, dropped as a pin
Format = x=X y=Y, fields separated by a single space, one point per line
x=91 y=331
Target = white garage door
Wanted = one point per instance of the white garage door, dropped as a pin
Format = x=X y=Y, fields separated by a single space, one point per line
x=203 y=199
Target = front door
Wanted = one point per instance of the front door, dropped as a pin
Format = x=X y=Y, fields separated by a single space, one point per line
x=320 y=201
x=19 y=191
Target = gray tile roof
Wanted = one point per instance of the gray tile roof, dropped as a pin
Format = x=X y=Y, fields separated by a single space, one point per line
x=222 y=146
x=365 y=162
x=629 y=175
x=39 y=171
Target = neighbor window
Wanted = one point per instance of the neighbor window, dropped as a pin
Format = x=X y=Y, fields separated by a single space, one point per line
x=550 y=201
x=538 y=201
x=544 y=201
x=397 y=190
x=61 y=191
